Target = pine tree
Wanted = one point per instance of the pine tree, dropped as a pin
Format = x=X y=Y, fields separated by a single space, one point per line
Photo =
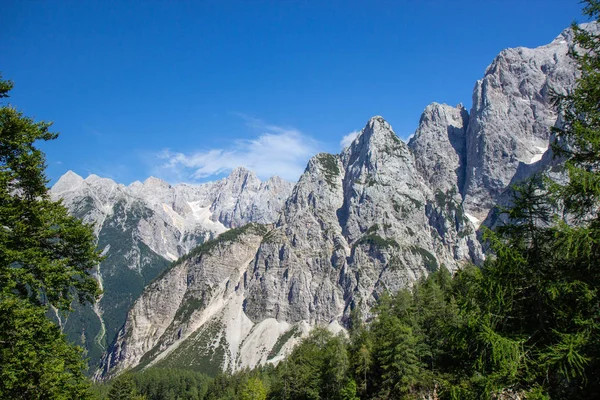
x=397 y=346
x=530 y=320
x=574 y=356
x=123 y=388
x=253 y=389
x=317 y=368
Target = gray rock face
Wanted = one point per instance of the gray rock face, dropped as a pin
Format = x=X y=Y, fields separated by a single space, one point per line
x=144 y=226
x=505 y=136
x=191 y=293
x=178 y=211
x=439 y=146
x=355 y=225
x=253 y=200
x=511 y=117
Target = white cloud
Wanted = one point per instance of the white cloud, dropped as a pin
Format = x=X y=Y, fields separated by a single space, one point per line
x=348 y=139
x=277 y=151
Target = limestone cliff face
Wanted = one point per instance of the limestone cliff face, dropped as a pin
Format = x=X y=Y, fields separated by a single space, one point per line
x=182 y=215
x=439 y=147
x=375 y=217
x=512 y=113
x=197 y=290
x=505 y=137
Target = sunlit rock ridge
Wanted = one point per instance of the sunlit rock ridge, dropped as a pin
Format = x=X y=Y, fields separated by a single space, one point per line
x=142 y=227
x=373 y=218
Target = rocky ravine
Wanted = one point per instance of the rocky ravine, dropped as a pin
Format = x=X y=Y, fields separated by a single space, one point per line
x=373 y=218
x=144 y=226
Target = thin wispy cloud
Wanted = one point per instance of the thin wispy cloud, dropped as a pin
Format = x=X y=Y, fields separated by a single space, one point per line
x=276 y=150
x=348 y=139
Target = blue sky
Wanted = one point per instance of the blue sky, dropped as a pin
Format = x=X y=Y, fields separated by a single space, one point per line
x=187 y=90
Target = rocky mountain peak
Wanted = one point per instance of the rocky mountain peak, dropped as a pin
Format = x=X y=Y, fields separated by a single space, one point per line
x=241 y=178
x=274 y=182
x=439 y=114
x=511 y=118
x=144 y=226
x=240 y=171
x=373 y=146
x=69 y=181
x=376 y=133
x=105 y=189
x=153 y=182
x=439 y=146
x=355 y=225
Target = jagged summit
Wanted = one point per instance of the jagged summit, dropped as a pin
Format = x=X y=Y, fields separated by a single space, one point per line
x=240 y=171
x=439 y=146
x=275 y=180
x=375 y=143
x=512 y=116
x=71 y=175
x=241 y=174
x=439 y=112
x=476 y=155
x=93 y=178
x=155 y=182
x=355 y=224
x=69 y=181
x=241 y=178
x=375 y=133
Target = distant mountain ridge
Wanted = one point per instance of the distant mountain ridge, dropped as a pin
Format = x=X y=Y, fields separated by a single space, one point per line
x=375 y=217
x=142 y=227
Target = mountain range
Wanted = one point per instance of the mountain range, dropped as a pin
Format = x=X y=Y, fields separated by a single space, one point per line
x=143 y=227
x=233 y=273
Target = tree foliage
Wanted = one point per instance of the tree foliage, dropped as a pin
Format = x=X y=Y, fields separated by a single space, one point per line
x=253 y=389
x=531 y=323
x=45 y=259
x=45 y=254
x=36 y=362
x=123 y=388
